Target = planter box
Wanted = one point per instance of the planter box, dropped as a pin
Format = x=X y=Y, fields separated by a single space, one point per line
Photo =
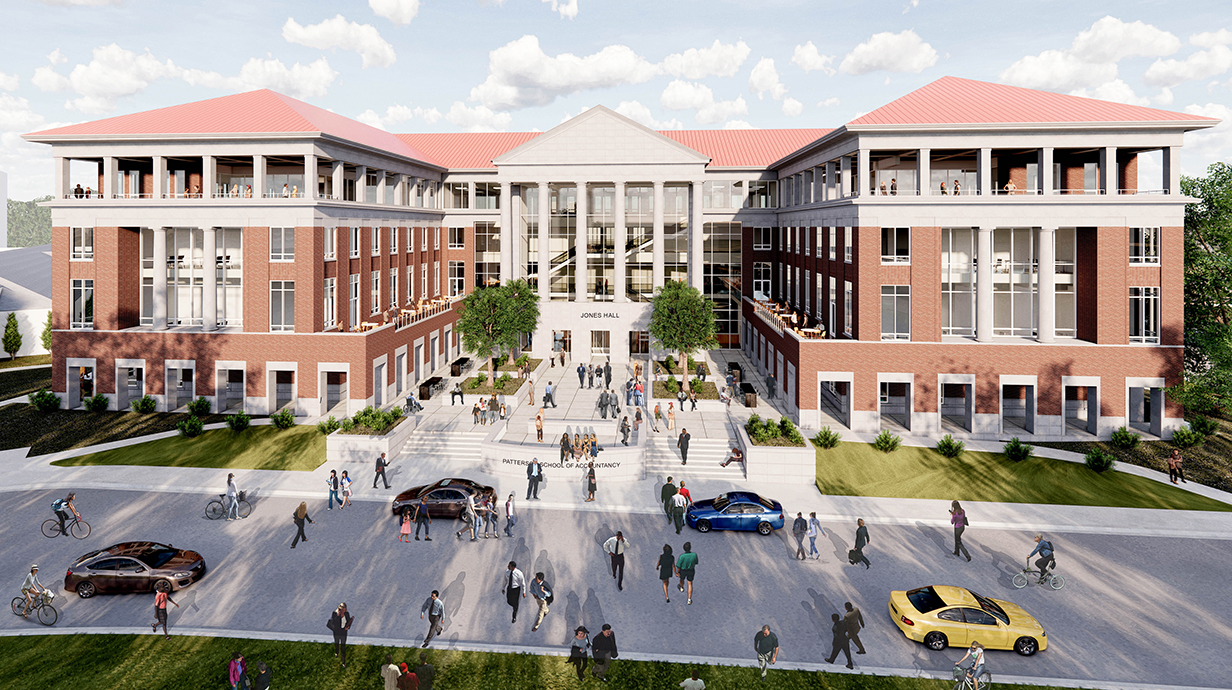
x=354 y=448
x=786 y=465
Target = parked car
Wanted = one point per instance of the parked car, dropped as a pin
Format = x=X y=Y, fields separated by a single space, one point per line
x=736 y=510
x=941 y=616
x=446 y=498
x=135 y=566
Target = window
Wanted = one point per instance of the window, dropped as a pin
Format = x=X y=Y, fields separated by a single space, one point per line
x=376 y=240
x=763 y=194
x=817 y=298
x=833 y=243
x=762 y=238
x=282 y=305
x=282 y=244
x=423 y=281
x=806 y=232
x=795 y=288
x=374 y=294
x=436 y=283
x=457 y=278
x=393 y=288
x=353 y=311
x=83 y=244
x=436 y=237
x=487 y=196
x=1143 y=246
x=721 y=194
x=761 y=280
x=393 y=240
x=1143 y=314
x=1015 y=288
x=410 y=285
x=423 y=239
x=847 y=241
x=487 y=243
x=958 y=281
x=83 y=304
x=457 y=238
x=457 y=195
x=830 y=323
x=847 y=308
x=808 y=293
x=896 y=312
x=331 y=244
x=355 y=243
x=896 y=245
x=330 y=304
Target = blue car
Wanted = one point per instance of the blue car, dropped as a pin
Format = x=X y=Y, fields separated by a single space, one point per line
x=737 y=510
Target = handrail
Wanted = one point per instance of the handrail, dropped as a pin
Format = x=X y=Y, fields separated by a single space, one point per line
x=410 y=318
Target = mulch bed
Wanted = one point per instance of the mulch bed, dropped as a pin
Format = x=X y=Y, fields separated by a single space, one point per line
x=486 y=389
x=17 y=383
x=23 y=426
x=706 y=391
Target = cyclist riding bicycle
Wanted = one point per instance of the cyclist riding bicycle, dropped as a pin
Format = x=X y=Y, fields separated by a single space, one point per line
x=976 y=654
x=31 y=588
x=1044 y=548
x=62 y=507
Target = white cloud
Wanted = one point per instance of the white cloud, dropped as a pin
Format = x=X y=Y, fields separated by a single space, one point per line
x=1058 y=69
x=520 y=74
x=641 y=114
x=298 y=81
x=568 y=8
x=829 y=102
x=29 y=165
x=792 y=107
x=1200 y=65
x=396 y=114
x=765 y=78
x=113 y=73
x=901 y=52
x=1214 y=143
x=396 y=11
x=47 y=79
x=911 y=6
x=477 y=119
x=737 y=124
x=57 y=57
x=16 y=115
x=9 y=82
x=1164 y=98
x=1115 y=90
x=82 y=3
x=683 y=95
x=809 y=59
x=720 y=59
x=1112 y=40
x=1210 y=39
x=340 y=33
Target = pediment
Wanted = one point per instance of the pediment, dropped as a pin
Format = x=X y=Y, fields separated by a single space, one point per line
x=601 y=136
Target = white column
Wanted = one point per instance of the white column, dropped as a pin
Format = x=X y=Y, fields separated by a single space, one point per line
x=380 y=186
x=829 y=188
x=160 y=177
x=209 y=173
x=258 y=176
x=622 y=238
x=209 y=294
x=983 y=170
x=1045 y=171
x=1047 y=325
x=545 y=227
x=863 y=166
x=697 y=265
x=338 y=173
x=923 y=171
x=845 y=169
x=579 y=245
x=1172 y=170
x=517 y=255
x=470 y=195
x=64 y=186
x=361 y=184
x=506 y=232
x=983 y=286
x=310 y=177
x=160 y=277
x=110 y=167
x=657 y=239
x=1108 y=174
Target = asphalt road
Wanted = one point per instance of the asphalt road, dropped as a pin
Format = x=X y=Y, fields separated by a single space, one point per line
x=1134 y=609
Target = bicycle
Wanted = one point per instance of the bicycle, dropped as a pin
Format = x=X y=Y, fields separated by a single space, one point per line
x=75 y=526
x=965 y=680
x=1050 y=578
x=47 y=614
x=218 y=508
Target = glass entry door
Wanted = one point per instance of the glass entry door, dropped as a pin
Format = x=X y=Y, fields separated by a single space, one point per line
x=600 y=343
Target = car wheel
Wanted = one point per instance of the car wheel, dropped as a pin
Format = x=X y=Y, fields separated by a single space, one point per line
x=703 y=526
x=85 y=590
x=1026 y=646
x=162 y=585
x=936 y=641
x=765 y=528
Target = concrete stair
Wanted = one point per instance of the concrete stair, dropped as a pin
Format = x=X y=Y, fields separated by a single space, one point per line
x=442 y=445
x=705 y=454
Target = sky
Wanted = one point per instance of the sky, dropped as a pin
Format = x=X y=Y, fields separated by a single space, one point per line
x=520 y=65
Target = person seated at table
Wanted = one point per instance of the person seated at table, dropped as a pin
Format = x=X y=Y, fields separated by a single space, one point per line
x=736 y=456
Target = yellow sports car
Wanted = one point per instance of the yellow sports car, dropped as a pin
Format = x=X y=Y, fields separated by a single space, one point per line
x=942 y=615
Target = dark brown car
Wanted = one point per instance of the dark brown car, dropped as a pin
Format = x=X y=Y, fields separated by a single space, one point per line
x=446 y=498
x=135 y=566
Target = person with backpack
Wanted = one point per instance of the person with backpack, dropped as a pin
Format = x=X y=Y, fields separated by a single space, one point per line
x=339 y=623
x=799 y=528
x=958 y=518
x=1044 y=548
x=543 y=597
x=61 y=507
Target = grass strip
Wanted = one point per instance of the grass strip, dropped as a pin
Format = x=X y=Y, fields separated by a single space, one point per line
x=27 y=361
x=298 y=449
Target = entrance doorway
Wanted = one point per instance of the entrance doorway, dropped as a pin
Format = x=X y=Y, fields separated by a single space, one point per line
x=1082 y=409
x=179 y=387
x=432 y=354
x=835 y=402
x=284 y=390
x=562 y=341
x=895 y=404
x=130 y=386
x=639 y=343
x=399 y=365
x=600 y=343
x=378 y=385
x=1146 y=409
x=336 y=392
x=957 y=410
x=233 y=389
x=80 y=385
x=1017 y=408
x=419 y=364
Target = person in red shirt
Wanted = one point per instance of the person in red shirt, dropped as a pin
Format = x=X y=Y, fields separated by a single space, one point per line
x=685 y=492
x=160 y=612
x=408 y=680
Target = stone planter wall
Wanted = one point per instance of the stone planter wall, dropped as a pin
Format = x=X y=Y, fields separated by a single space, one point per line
x=777 y=463
x=353 y=448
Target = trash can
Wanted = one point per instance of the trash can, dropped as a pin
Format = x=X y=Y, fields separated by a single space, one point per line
x=749 y=393
x=459 y=366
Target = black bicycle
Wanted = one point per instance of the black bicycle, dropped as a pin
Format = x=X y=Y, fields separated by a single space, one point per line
x=47 y=614
x=217 y=508
x=75 y=526
x=1028 y=574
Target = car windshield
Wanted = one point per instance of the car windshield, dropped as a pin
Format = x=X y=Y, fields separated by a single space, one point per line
x=721 y=502
x=87 y=557
x=156 y=556
x=765 y=502
x=991 y=607
x=925 y=599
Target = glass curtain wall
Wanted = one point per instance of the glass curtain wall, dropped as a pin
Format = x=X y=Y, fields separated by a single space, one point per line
x=958 y=281
x=1015 y=289
x=639 y=242
x=600 y=243
x=676 y=233
x=186 y=266
x=721 y=276
x=1065 y=240
x=530 y=234
x=561 y=241
x=487 y=254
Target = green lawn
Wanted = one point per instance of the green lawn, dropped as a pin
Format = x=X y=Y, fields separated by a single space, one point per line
x=858 y=469
x=27 y=361
x=300 y=448
x=22 y=426
x=15 y=383
x=148 y=661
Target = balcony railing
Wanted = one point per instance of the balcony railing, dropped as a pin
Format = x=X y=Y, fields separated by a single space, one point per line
x=410 y=316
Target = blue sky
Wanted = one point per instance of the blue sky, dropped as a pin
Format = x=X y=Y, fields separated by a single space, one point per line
x=430 y=65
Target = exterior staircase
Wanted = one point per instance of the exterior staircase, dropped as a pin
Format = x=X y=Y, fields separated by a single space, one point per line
x=705 y=454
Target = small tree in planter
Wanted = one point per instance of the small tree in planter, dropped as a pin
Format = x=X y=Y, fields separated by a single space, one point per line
x=682 y=320
x=493 y=319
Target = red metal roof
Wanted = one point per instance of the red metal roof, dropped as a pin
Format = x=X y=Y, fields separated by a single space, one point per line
x=467 y=150
x=951 y=100
x=253 y=112
x=745 y=148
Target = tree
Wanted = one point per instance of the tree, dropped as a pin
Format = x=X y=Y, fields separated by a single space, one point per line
x=46 y=336
x=12 y=336
x=493 y=319
x=682 y=320
x=29 y=223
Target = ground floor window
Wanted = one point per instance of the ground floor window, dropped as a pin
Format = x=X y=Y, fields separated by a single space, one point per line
x=1144 y=315
x=457 y=278
x=896 y=312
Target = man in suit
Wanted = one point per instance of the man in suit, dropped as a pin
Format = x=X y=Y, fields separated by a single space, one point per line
x=840 y=643
x=603 y=404
x=534 y=475
x=683 y=444
x=615 y=548
x=435 y=608
x=603 y=647
x=581 y=372
x=665 y=494
x=607 y=374
x=862 y=541
x=381 y=464
x=854 y=620
x=514 y=588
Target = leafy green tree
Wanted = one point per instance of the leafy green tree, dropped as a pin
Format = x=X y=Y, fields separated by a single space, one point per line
x=682 y=320
x=29 y=223
x=12 y=336
x=46 y=336
x=493 y=319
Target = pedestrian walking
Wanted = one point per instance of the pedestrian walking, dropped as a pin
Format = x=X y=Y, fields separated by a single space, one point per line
x=539 y=426
x=581 y=372
x=233 y=503
x=767 y=647
x=435 y=608
x=671 y=418
x=654 y=419
x=423 y=519
x=958 y=518
x=511 y=517
x=493 y=409
x=639 y=394
x=1176 y=469
x=160 y=612
x=590 y=483
x=624 y=430
x=236 y=669
x=840 y=643
x=345 y=482
x=854 y=620
x=607 y=374
x=601 y=404
x=549 y=395
x=799 y=528
x=667 y=566
x=262 y=681
x=629 y=392
x=637 y=419
x=475 y=413
x=857 y=554
x=543 y=595
x=679 y=503
x=534 y=475
x=339 y=623
x=693 y=682
x=688 y=497
x=814 y=530
x=470 y=519
x=579 y=650
x=683 y=442
x=405 y=530
x=390 y=673
x=298 y=517
x=603 y=647
x=332 y=483
x=665 y=494
x=407 y=680
x=530 y=385
x=425 y=672
x=513 y=587
x=686 y=565
x=615 y=548
x=491 y=519
x=381 y=464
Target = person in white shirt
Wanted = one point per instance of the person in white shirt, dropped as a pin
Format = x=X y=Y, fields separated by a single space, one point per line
x=511 y=518
x=615 y=548
x=513 y=586
x=976 y=654
x=233 y=503
x=814 y=530
x=693 y=683
x=31 y=588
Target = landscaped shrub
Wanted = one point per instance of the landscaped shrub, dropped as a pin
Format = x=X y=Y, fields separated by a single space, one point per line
x=1186 y=437
x=239 y=421
x=671 y=384
x=670 y=363
x=1204 y=425
x=886 y=442
x=1124 y=439
x=1017 y=450
x=523 y=360
x=328 y=426
x=827 y=438
x=283 y=419
x=502 y=380
x=695 y=383
x=754 y=422
x=145 y=404
x=191 y=427
x=98 y=403
x=478 y=380
x=789 y=431
x=200 y=406
x=950 y=447
x=374 y=421
x=44 y=400
x=348 y=425
x=1100 y=460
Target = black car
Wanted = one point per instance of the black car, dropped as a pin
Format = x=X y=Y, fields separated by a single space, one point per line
x=446 y=498
x=135 y=566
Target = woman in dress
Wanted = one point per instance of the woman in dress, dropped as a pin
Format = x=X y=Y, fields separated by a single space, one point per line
x=637 y=420
x=577 y=446
x=565 y=449
x=539 y=426
x=671 y=418
x=666 y=565
x=406 y=527
x=590 y=482
x=594 y=447
x=345 y=482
